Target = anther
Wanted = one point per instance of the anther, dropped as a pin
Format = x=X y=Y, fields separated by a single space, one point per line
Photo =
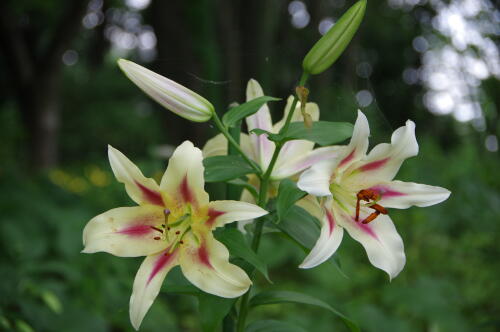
x=166 y=212
x=178 y=232
x=181 y=242
x=157 y=229
x=157 y=238
x=369 y=195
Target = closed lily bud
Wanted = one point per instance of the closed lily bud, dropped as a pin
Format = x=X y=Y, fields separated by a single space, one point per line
x=327 y=50
x=168 y=93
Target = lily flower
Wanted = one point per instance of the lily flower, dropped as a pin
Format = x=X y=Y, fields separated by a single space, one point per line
x=172 y=225
x=168 y=93
x=294 y=157
x=359 y=188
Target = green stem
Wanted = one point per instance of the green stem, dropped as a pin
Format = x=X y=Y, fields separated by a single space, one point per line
x=231 y=141
x=262 y=201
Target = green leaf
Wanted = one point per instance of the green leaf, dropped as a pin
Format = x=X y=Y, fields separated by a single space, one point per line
x=277 y=296
x=326 y=50
x=212 y=310
x=223 y=168
x=273 y=326
x=181 y=289
x=52 y=301
x=242 y=111
x=271 y=136
x=300 y=226
x=234 y=240
x=288 y=194
x=322 y=132
x=246 y=185
x=303 y=229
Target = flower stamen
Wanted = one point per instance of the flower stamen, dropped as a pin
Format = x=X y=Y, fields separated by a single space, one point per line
x=369 y=195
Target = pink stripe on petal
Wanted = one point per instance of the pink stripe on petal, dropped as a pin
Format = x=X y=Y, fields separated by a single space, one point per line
x=331 y=221
x=186 y=192
x=386 y=192
x=212 y=216
x=138 y=230
x=374 y=165
x=164 y=259
x=347 y=159
x=365 y=228
x=149 y=195
x=203 y=255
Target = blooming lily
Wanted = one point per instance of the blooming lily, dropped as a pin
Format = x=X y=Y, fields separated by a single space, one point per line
x=294 y=157
x=359 y=188
x=168 y=93
x=172 y=226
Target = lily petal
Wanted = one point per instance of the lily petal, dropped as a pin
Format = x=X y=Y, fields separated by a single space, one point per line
x=316 y=180
x=263 y=148
x=206 y=265
x=359 y=143
x=328 y=241
x=224 y=212
x=380 y=239
x=305 y=160
x=402 y=195
x=384 y=160
x=217 y=146
x=125 y=231
x=147 y=283
x=141 y=189
x=183 y=180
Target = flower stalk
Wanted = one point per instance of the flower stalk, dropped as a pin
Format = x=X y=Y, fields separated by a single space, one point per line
x=262 y=201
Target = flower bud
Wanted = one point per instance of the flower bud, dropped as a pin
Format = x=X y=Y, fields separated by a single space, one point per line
x=168 y=93
x=324 y=53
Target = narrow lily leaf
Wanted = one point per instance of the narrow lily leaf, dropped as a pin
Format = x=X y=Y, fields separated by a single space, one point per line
x=234 y=240
x=322 y=132
x=270 y=136
x=273 y=326
x=212 y=310
x=246 y=185
x=300 y=226
x=303 y=229
x=288 y=194
x=223 y=168
x=240 y=112
x=276 y=296
x=327 y=50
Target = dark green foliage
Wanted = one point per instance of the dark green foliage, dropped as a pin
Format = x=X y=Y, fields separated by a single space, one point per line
x=224 y=168
x=237 y=113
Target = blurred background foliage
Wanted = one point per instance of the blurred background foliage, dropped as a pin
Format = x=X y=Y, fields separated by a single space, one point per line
x=64 y=99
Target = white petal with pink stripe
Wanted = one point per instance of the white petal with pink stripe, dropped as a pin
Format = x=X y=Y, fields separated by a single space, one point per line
x=125 y=231
x=147 y=283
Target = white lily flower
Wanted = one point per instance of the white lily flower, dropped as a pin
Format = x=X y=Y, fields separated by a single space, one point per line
x=294 y=157
x=172 y=226
x=359 y=188
x=168 y=93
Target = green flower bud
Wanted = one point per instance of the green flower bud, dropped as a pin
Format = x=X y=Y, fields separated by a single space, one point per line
x=332 y=44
